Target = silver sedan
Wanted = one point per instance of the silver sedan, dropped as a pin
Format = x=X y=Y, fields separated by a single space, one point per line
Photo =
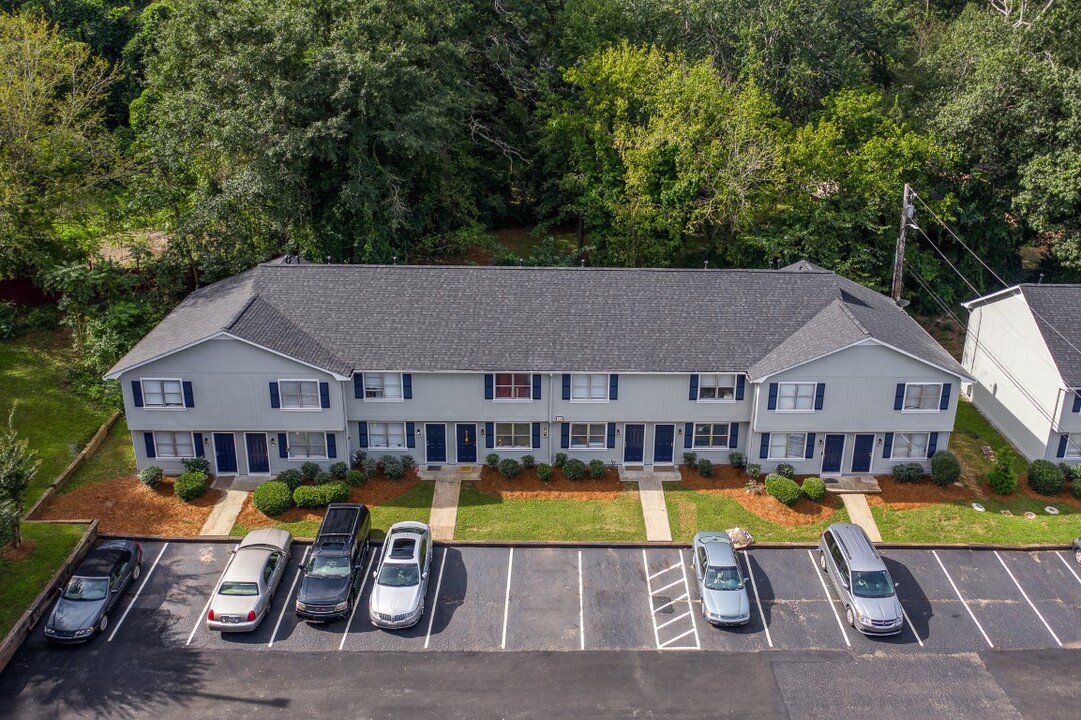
x=401 y=580
x=242 y=597
x=720 y=581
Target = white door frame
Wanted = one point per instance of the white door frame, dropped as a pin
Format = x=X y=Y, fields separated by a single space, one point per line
x=247 y=458
x=643 y=460
x=214 y=446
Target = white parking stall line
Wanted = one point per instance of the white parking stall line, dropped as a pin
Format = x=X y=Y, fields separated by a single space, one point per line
x=672 y=584
x=1068 y=566
x=664 y=646
x=962 y=599
x=202 y=617
x=687 y=590
x=675 y=619
x=435 y=601
x=649 y=589
x=757 y=599
x=146 y=579
x=506 y=602
x=356 y=600
x=910 y=625
x=581 y=607
x=285 y=605
x=670 y=602
x=1025 y=596
x=829 y=598
x=662 y=572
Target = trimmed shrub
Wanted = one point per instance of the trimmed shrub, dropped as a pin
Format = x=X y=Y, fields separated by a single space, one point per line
x=151 y=476
x=272 y=498
x=907 y=472
x=409 y=463
x=560 y=460
x=784 y=489
x=338 y=471
x=754 y=470
x=705 y=467
x=596 y=469
x=355 y=477
x=1075 y=488
x=197 y=464
x=508 y=467
x=690 y=459
x=1003 y=479
x=574 y=469
x=313 y=496
x=393 y=467
x=191 y=485
x=528 y=461
x=1045 y=477
x=492 y=461
x=322 y=478
x=356 y=460
x=544 y=472
x=369 y=466
x=784 y=470
x=1069 y=472
x=814 y=488
x=737 y=459
x=309 y=470
x=945 y=468
x=292 y=478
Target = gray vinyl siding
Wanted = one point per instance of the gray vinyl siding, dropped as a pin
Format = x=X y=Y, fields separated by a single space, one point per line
x=813 y=465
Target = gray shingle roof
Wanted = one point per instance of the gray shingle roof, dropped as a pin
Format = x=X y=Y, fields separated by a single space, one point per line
x=375 y=317
x=1057 y=311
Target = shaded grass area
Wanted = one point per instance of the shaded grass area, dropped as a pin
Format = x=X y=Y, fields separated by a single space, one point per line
x=959 y=523
x=21 y=580
x=115 y=458
x=56 y=422
x=971 y=432
x=690 y=511
x=489 y=517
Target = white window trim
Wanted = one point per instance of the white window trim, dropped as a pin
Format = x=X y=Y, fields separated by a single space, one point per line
x=401 y=387
x=305 y=459
x=803 y=447
x=917 y=411
x=735 y=384
x=604 y=442
x=168 y=408
x=914 y=432
x=157 y=447
x=405 y=435
x=779 y=409
x=1069 y=442
x=495 y=436
x=586 y=401
x=281 y=395
x=728 y=437
x=512 y=400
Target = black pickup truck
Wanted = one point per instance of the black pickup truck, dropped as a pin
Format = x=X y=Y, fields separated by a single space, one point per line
x=335 y=566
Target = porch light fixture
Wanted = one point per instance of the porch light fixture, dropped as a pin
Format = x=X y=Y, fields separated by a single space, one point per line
x=617 y=432
x=819 y=442
x=482 y=431
x=418 y=432
x=544 y=431
x=272 y=438
x=679 y=432
x=880 y=442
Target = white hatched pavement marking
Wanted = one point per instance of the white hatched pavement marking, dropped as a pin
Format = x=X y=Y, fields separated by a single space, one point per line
x=685 y=597
x=1068 y=566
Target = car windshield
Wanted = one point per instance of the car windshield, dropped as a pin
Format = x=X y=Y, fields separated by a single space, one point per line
x=399 y=575
x=722 y=578
x=86 y=589
x=238 y=588
x=328 y=567
x=875 y=584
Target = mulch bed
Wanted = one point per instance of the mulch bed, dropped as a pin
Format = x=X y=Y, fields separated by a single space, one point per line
x=373 y=491
x=909 y=496
x=526 y=485
x=729 y=481
x=125 y=506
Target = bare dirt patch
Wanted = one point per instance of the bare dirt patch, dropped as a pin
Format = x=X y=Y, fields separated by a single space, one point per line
x=125 y=506
x=526 y=485
x=372 y=492
x=12 y=554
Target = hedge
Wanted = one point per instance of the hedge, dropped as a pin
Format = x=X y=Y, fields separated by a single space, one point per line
x=313 y=496
x=814 y=488
x=292 y=478
x=574 y=469
x=272 y=498
x=783 y=489
x=151 y=476
x=945 y=468
x=1045 y=477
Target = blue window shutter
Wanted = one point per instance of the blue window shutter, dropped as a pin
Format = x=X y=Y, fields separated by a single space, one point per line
x=1062 y=441
x=611 y=435
x=740 y=382
x=407 y=386
x=820 y=394
x=733 y=436
x=137 y=393
x=763 y=451
x=410 y=435
x=189 y=394
x=358 y=385
x=566 y=386
x=809 y=451
x=688 y=435
x=283 y=445
x=565 y=436
x=536 y=436
x=148 y=438
x=536 y=386
x=1076 y=401
x=899 y=398
x=200 y=451
x=772 y=403
x=613 y=387
x=489 y=386
x=489 y=435
x=693 y=394
x=275 y=398
x=944 y=404
x=324 y=395
x=932 y=444
x=332 y=446
x=887 y=446
x=362 y=435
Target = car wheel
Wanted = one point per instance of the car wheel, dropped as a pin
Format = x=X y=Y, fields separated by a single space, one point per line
x=822 y=560
x=137 y=571
x=103 y=623
x=1077 y=555
x=850 y=617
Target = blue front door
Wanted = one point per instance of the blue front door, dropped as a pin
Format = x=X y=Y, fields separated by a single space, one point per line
x=225 y=452
x=467 y=443
x=436 y=443
x=258 y=458
x=662 y=444
x=831 y=456
x=861 y=456
x=634 y=442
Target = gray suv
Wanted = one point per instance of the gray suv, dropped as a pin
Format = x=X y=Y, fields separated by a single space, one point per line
x=867 y=591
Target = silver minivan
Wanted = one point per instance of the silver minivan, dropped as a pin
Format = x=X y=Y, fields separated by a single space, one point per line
x=867 y=591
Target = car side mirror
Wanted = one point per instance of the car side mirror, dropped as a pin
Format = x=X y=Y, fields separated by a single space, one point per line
x=897 y=584
x=424 y=575
x=375 y=573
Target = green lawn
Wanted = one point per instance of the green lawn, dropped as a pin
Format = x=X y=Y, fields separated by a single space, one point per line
x=56 y=421
x=115 y=458
x=690 y=511
x=488 y=517
x=972 y=431
x=22 y=580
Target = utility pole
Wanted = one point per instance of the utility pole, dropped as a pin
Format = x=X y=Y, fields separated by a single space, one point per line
x=907 y=213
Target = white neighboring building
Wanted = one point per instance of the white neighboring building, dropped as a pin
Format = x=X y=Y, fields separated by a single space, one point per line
x=1023 y=346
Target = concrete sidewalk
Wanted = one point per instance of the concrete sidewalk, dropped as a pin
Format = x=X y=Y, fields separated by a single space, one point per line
x=651 y=494
x=448 y=486
x=225 y=512
x=860 y=514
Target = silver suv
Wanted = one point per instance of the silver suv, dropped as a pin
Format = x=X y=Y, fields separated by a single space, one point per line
x=401 y=580
x=867 y=591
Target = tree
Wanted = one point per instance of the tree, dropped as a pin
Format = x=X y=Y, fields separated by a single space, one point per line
x=17 y=468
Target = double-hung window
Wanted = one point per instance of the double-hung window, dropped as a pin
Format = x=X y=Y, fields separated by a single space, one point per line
x=163 y=393
x=307 y=445
x=911 y=446
x=299 y=394
x=588 y=436
x=922 y=397
x=513 y=386
x=513 y=435
x=589 y=387
x=1073 y=445
x=717 y=387
x=386 y=435
x=382 y=386
x=174 y=444
x=713 y=435
x=787 y=446
x=796 y=397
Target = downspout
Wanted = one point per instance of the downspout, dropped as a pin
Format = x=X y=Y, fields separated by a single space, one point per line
x=345 y=424
x=549 y=423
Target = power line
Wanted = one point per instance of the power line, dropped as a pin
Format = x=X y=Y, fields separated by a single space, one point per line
x=956 y=237
x=952 y=266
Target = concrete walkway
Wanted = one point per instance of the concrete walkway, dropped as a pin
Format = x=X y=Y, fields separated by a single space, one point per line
x=860 y=514
x=448 y=485
x=225 y=512
x=651 y=493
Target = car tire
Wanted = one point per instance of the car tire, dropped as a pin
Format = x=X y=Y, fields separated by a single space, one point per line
x=1077 y=555
x=822 y=560
x=137 y=571
x=850 y=616
x=103 y=623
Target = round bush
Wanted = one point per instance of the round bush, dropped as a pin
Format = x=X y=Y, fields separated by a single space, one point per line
x=754 y=470
x=312 y=496
x=309 y=470
x=560 y=460
x=355 y=477
x=705 y=467
x=409 y=462
x=508 y=467
x=814 y=488
x=945 y=469
x=191 y=485
x=393 y=467
x=1069 y=472
x=370 y=466
x=357 y=458
x=1003 y=479
x=737 y=459
x=528 y=461
x=272 y=498
x=596 y=469
x=336 y=492
x=907 y=472
x=322 y=478
x=197 y=464
x=1045 y=477
x=574 y=469
x=1075 y=488
x=492 y=461
x=783 y=489
x=151 y=476
x=785 y=470
x=338 y=471
x=544 y=472
x=690 y=459
x=292 y=478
